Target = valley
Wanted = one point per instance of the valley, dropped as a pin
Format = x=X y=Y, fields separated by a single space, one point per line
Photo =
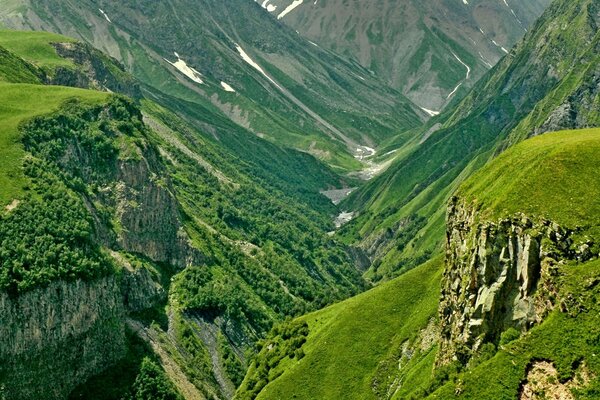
x=281 y=199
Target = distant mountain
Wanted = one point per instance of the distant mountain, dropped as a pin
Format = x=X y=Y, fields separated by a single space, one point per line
x=432 y=50
x=231 y=58
x=549 y=81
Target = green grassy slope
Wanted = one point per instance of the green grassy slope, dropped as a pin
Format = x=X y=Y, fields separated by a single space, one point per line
x=554 y=176
x=19 y=102
x=35 y=47
x=348 y=341
x=550 y=67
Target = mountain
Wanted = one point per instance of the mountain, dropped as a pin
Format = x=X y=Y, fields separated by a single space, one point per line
x=432 y=51
x=516 y=316
x=547 y=82
x=165 y=233
x=232 y=59
x=132 y=239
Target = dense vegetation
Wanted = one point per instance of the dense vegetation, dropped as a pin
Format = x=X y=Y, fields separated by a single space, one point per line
x=348 y=343
x=47 y=237
x=547 y=82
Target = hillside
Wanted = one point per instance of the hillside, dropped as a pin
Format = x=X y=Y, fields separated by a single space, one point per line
x=351 y=345
x=542 y=85
x=159 y=227
x=432 y=51
x=230 y=60
x=170 y=216
x=524 y=322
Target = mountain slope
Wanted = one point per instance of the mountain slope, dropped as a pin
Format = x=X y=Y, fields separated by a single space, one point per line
x=159 y=226
x=518 y=297
x=232 y=58
x=347 y=342
x=525 y=94
x=430 y=50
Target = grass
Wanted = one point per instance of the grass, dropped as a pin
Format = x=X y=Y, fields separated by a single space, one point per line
x=567 y=339
x=348 y=341
x=18 y=103
x=35 y=47
x=16 y=70
x=554 y=176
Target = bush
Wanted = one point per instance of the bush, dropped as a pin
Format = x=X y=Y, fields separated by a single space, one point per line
x=510 y=335
x=153 y=384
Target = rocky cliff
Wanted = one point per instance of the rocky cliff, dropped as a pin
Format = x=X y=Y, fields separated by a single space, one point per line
x=55 y=337
x=93 y=70
x=499 y=275
x=59 y=334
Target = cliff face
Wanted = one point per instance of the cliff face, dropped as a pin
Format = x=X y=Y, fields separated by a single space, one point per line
x=499 y=275
x=148 y=212
x=54 y=338
x=94 y=70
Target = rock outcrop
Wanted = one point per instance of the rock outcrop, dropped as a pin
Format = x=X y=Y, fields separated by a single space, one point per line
x=94 y=71
x=54 y=338
x=499 y=275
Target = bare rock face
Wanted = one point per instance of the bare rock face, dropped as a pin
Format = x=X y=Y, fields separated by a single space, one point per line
x=499 y=275
x=149 y=214
x=56 y=337
x=95 y=71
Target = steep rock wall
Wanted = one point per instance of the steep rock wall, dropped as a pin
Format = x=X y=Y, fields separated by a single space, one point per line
x=499 y=275
x=54 y=338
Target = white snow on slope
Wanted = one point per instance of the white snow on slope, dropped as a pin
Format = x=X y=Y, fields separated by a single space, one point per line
x=466 y=66
x=454 y=91
x=269 y=7
x=254 y=65
x=105 y=16
x=186 y=70
x=290 y=8
x=465 y=2
x=363 y=152
x=501 y=47
x=485 y=61
x=226 y=87
x=343 y=219
x=430 y=112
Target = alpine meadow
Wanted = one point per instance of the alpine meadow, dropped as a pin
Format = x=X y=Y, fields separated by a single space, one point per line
x=299 y=199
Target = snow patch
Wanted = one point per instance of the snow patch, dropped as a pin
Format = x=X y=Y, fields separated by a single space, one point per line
x=363 y=152
x=290 y=8
x=485 y=61
x=269 y=7
x=226 y=87
x=254 y=65
x=465 y=2
x=466 y=66
x=430 y=112
x=186 y=70
x=454 y=91
x=105 y=16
